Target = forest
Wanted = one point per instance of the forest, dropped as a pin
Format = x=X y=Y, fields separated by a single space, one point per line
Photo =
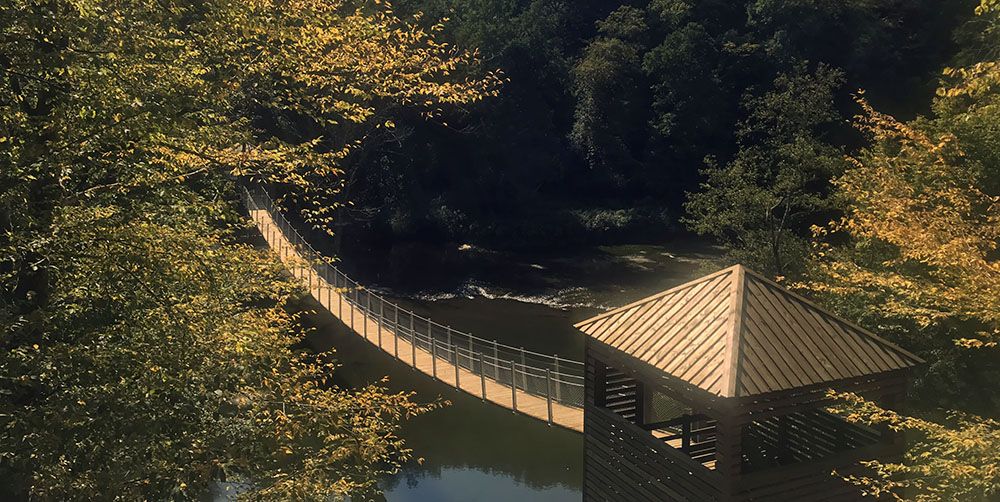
x=850 y=150
x=612 y=112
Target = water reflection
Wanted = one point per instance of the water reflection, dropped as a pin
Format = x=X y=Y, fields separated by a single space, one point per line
x=476 y=451
x=472 y=450
x=468 y=485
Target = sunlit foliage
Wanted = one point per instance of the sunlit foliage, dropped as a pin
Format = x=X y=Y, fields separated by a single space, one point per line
x=917 y=255
x=147 y=349
x=959 y=461
x=923 y=206
x=916 y=199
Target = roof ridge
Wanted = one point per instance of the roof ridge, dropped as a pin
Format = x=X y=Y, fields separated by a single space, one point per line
x=656 y=296
x=734 y=342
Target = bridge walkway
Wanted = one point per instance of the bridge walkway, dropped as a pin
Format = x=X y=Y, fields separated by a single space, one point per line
x=548 y=389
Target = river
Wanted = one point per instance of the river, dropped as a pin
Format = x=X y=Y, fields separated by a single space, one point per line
x=474 y=451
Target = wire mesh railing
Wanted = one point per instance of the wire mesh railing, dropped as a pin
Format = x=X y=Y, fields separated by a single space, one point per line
x=550 y=377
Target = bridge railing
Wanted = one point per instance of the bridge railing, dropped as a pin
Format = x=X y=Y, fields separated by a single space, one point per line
x=554 y=378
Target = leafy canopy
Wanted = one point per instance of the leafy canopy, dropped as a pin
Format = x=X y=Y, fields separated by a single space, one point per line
x=147 y=347
x=917 y=252
x=777 y=183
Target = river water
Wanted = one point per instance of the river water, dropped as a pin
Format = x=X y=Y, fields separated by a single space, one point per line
x=472 y=451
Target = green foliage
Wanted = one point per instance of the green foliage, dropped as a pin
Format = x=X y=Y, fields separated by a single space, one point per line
x=916 y=255
x=759 y=202
x=608 y=86
x=146 y=348
x=956 y=460
x=618 y=104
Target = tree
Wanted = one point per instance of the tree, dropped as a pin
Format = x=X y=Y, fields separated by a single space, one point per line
x=761 y=203
x=924 y=234
x=954 y=460
x=916 y=255
x=610 y=92
x=147 y=349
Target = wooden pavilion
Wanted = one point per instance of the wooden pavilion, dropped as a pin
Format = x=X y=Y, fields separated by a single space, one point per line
x=716 y=390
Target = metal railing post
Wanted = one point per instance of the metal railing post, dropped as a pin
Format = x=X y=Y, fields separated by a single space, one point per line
x=381 y=314
x=329 y=296
x=413 y=342
x=395 y=331
x=449 y=343
x=513 y=388
x=454 y=349
x=548 y=392
x=365 y=312
x=482 y=375
x=496 y=361
x=524 y=374
x=558 y=387
x=434 y=366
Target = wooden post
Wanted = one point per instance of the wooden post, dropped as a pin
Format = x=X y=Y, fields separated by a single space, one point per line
x=640 y=403
x=482 y=375
x=600 y=382
x=686 y=435
x=728 y=457
x=434 y=366
x=548 y=393
x=513 y=388
x=782 y=424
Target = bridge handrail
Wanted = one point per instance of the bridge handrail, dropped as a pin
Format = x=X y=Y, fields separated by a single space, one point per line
x=556 y=378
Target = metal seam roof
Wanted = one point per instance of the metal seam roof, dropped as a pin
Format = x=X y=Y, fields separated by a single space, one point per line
x=735 y=333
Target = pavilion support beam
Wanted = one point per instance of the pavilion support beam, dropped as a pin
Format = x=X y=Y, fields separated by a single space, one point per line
x=784 y=451
x=728 y=453
x=598 y=371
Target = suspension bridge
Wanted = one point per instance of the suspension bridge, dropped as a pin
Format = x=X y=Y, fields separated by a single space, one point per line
x=541 y=386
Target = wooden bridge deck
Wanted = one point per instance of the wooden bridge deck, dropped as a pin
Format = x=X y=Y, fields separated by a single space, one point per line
x=385 y=337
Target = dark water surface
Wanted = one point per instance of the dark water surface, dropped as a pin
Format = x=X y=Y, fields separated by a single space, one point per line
x=475 y=451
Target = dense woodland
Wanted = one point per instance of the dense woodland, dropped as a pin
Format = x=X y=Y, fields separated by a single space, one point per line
x=610 y=111
x=849 y=149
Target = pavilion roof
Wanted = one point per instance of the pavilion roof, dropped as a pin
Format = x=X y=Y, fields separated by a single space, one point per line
x=735 y=333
